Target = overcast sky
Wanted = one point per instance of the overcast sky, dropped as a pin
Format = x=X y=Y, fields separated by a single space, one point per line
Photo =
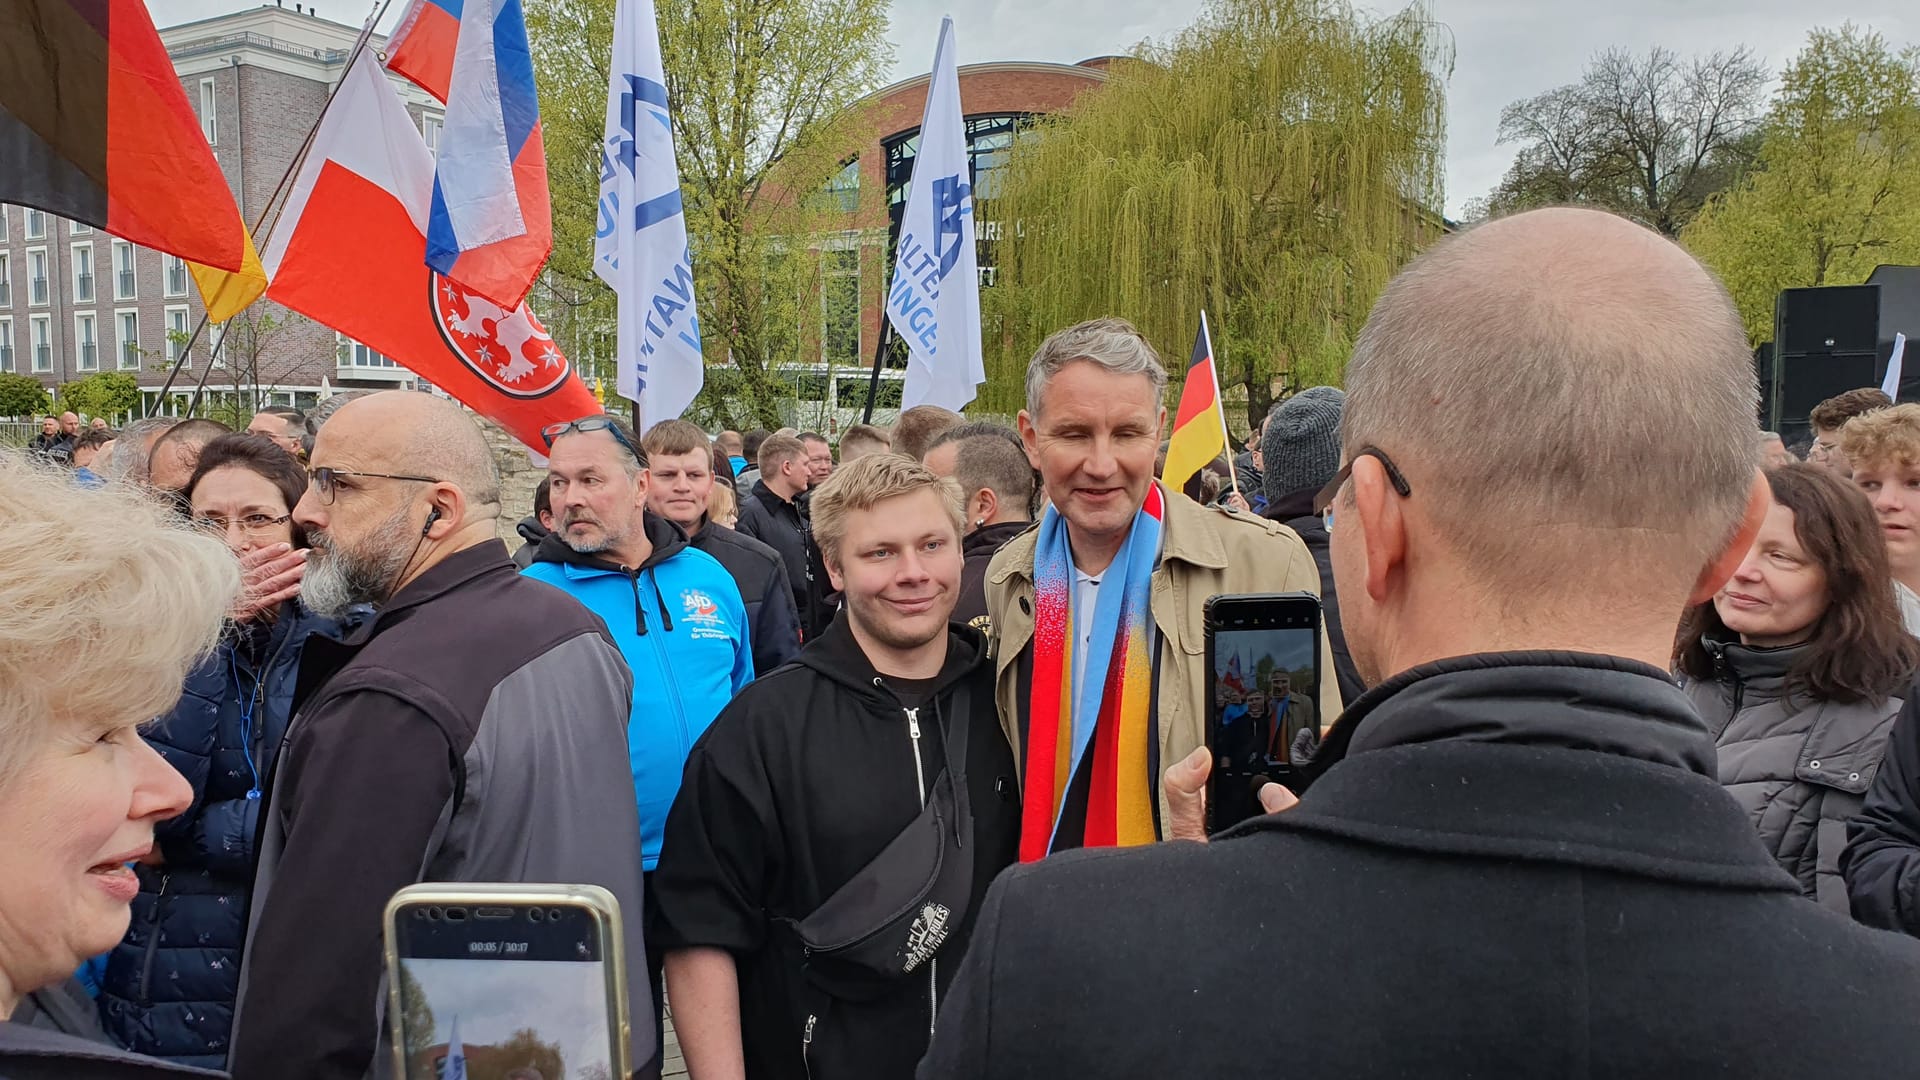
x=1504 y=49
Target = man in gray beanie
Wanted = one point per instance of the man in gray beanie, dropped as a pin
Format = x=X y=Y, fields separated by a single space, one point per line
x=1300 y=453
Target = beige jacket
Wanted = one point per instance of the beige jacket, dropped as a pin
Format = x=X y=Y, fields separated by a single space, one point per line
x=1204 y=552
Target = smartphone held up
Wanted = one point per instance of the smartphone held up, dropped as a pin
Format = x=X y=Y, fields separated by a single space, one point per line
x=514 y=982
x=1263 y=663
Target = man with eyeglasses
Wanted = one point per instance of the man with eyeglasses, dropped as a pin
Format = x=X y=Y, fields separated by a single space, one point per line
x=673 y=610
x=1520 y=861
x=475 y=729
x=1101 y=605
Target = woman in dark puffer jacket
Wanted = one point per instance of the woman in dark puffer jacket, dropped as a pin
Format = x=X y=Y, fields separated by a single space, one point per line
x=1799 y=666
x=170 y=986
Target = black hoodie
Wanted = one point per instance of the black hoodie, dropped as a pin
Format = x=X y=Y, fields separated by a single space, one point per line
x=532 y=532
x=801 y=781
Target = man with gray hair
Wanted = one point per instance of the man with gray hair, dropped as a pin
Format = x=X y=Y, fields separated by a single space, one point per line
x=1115 y=577
x=127 y=458
x=1520 y=860
x=474 y=730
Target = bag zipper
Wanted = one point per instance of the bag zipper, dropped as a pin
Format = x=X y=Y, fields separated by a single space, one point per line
x=920 y=779
x=806 y=1046
x=153 y=942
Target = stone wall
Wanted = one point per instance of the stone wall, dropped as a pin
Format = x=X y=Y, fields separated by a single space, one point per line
x=518 y=477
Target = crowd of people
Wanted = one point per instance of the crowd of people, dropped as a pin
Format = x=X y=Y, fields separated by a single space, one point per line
x=896 y=762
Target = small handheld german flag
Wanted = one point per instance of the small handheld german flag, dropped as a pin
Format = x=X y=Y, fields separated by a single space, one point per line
x=1199 y=425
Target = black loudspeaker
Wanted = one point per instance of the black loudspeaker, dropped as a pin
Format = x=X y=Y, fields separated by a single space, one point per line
x=1829 y=319
x=1826 y=341
x=1766 y=375
x=1900 y=314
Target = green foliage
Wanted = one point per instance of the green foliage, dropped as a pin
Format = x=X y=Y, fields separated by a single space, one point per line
x=1274 y=165
x=524 y=1049
x=22 y=395
x=417 y=1018
x=105 y=393
x=1650 y=136
x=762 y=94
x=1836 y=189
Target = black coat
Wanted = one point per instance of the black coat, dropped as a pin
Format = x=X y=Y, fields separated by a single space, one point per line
x=780 y=525
x=1295 y=511
x=762 y=577
x=793 y=790
x=32 y=1053
x=1522 y=868
x=1881 y=864
x=979 y=548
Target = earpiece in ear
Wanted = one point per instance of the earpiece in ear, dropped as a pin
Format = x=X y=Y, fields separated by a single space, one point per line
x=433 y=515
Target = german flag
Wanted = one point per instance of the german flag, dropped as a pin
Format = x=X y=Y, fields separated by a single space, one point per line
x=94 y=126
x=1199 y=425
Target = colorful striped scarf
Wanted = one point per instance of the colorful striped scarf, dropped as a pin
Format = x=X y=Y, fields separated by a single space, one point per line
x=1110 y=736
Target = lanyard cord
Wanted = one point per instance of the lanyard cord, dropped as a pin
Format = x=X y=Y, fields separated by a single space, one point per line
x=248 y=702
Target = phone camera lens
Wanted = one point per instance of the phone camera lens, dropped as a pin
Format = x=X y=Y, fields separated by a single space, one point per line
x=433 y=914
x=553 y=915
x=535 y=915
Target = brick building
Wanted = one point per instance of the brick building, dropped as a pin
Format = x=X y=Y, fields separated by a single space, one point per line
x=74 y=300
x=999 y=101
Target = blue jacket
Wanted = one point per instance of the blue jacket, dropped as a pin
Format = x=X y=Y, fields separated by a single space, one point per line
x=679 y=620
x=169 y=987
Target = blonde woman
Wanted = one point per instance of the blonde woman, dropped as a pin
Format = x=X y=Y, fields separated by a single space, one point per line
x=96 y=640
x=722 y=507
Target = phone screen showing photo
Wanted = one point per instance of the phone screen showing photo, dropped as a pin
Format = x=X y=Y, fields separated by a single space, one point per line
x=1265 y=701
x=503 y=993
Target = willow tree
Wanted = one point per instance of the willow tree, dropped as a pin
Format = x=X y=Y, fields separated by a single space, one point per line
x=1836 y=189
x=763 y=95
x=1274 y=164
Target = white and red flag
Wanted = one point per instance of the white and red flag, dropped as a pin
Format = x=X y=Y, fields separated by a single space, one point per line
x=349 y=252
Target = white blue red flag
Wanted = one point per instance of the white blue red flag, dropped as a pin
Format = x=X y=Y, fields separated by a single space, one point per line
x=640 y=243
x=934 y=299
x=349 y=253
x=490 y=228
x=421 y=46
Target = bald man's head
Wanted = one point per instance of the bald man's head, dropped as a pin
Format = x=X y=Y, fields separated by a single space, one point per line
x=421 y=434
x=401 y=482
x=175 y=454
x=1568 y=394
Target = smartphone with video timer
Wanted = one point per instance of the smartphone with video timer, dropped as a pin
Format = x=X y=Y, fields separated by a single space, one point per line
x=500 y=980
x=1263 y=666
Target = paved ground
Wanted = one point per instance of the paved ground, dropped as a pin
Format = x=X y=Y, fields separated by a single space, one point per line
x=673 y=1065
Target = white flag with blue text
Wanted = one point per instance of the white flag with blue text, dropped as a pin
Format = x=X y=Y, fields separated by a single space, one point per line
x=454 y=1065
x=640 y=246
x=934 y=298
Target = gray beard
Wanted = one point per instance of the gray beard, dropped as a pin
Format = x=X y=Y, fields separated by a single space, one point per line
x=337 y=579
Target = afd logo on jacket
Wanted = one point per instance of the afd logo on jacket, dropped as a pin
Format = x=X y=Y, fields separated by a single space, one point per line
x=703 y=616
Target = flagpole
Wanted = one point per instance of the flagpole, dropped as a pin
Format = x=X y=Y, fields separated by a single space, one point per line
x=272 y=210
x=879 y=358
x=1220 y=404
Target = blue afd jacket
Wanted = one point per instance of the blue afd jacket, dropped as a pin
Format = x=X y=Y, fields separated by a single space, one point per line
x=169 y=987
x=679 y=620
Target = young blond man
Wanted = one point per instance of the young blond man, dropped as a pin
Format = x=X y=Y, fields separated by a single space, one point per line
x=808 y=776
x=1883 y=449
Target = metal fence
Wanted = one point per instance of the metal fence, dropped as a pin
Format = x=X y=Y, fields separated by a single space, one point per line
x=17 y=433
